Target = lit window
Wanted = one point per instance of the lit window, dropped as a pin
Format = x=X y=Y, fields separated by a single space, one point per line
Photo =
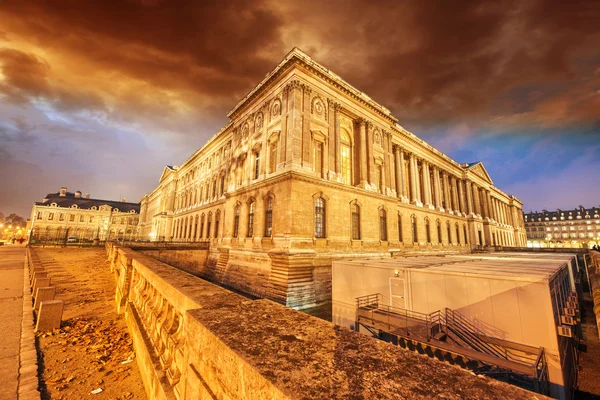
x=269 y=218
x=236 y=222
x=382 y=225
x=273 y=157
x=319 y=217
x=355 y=222
x=413 y=223
x=318 y=158
x=427 y=231
x=256 y=165
x=400 y=227
x=346 y=157
x=251 y=220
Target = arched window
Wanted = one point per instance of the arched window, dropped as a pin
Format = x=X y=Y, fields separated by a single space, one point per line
x=217 y=220
x=208 y=224
x=214 y=190
x=382 y=225
x=269 y=218
x=457 y=233
x=195 y=228
x=319 y=217
x=318 y=157
x=413 y=223
x=400 y=238
x=251 y=219
x=222 y=184
x=236 y=221
x=449 y=232
x=439 y=230
x=256 y=164
x=427 y=231
x=346 y=157
x=355 y=210
x=202 y=227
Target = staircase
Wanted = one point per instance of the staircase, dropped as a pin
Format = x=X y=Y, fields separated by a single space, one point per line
x=450 y=336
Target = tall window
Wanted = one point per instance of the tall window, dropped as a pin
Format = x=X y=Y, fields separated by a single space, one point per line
x=51 y=217
x=457 y=233
x=269 y=218
x=195 y=228
x=427 y=231
x=318 y=158
x=413 y=223
x=449 y=232
x=61 y=217
x=208 y=224
x=400 y=238
x=214 y=191
x=251 y=220
x=319 y=217
x=273 y=157
x=222 y=184
x=39 y=215
x=465 y=233
x=345 y=157
x=382 y=225
x=242 y=168
x=217 y=220
x=81 y=218
x=256 y=164
x=72 y=218
x=355 y=221
x=378 y=178
x=236 y=222
x=202 y=227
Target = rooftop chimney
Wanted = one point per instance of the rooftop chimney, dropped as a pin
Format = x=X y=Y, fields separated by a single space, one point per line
x=78 y=194
x=63 y=191
x=123 y=200
x=87 y=195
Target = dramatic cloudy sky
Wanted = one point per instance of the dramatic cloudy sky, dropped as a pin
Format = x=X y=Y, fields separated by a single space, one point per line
x=99 y=95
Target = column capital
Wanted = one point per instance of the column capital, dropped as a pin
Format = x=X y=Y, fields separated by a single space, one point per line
x=360 y=121
x=293 y=84
x=307 y=89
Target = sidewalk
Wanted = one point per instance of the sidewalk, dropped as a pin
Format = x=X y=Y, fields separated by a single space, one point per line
x=11 y=315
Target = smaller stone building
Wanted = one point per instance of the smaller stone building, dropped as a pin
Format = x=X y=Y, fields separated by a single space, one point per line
x=66 y=216
x=577 y=228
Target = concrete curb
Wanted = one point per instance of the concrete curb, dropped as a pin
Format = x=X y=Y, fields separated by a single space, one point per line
x=27 y=387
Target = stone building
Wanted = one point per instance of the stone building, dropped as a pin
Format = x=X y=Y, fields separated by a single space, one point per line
x=310 y=169
x=70 y=216
x=577 y=228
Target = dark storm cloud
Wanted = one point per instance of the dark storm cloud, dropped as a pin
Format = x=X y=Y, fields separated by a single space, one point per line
x=105 y=92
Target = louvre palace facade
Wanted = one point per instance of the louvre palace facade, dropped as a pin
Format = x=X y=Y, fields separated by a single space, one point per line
x=309 y=170
x=577 y=228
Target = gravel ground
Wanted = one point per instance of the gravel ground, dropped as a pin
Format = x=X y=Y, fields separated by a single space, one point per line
x=93 y=349
x=589 y=374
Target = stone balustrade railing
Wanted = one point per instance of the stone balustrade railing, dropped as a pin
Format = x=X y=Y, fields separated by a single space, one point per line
x=197 y=340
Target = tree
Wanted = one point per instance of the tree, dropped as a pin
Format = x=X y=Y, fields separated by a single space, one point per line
x=12 y=219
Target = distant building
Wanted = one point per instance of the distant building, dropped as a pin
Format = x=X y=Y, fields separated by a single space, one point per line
x=575 y=228
x=70 y=216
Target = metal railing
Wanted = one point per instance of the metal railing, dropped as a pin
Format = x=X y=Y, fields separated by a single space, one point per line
x=375 y=312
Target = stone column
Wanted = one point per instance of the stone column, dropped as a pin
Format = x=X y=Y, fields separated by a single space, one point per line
x=403 y=185
x=370 y=161
x=455 y=196
x=363 y=153
x=306 y=137
x=398 y=169
x=436 y=188
x=461 y=196
x=474 y=196
x=338 y=160
x=390 y=165
x=412 y=163
x=469 y=196
x=447 y=204
x=387 y=185
x=427 y=185
x=418 y=183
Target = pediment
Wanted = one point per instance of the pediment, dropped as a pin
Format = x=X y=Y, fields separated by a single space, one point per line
x=166 y=172
x=479 y=170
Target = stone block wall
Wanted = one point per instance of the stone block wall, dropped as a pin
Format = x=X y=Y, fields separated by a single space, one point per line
x=594 y=276
x=195 y=340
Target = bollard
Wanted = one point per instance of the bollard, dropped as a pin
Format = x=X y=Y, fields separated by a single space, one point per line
x=49 y=315
x=40 y=282
x=44 y=294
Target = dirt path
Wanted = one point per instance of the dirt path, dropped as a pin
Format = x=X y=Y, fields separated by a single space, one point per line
x=93 y=349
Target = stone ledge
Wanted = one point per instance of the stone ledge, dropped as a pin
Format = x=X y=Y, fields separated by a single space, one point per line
x=27 y=387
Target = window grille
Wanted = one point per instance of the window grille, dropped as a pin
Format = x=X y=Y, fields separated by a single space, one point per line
x=319 y=217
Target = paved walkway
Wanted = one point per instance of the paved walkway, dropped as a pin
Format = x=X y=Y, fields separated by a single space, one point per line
x=11 y=314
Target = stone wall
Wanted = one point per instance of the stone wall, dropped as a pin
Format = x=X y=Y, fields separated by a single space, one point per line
x=196 y=340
